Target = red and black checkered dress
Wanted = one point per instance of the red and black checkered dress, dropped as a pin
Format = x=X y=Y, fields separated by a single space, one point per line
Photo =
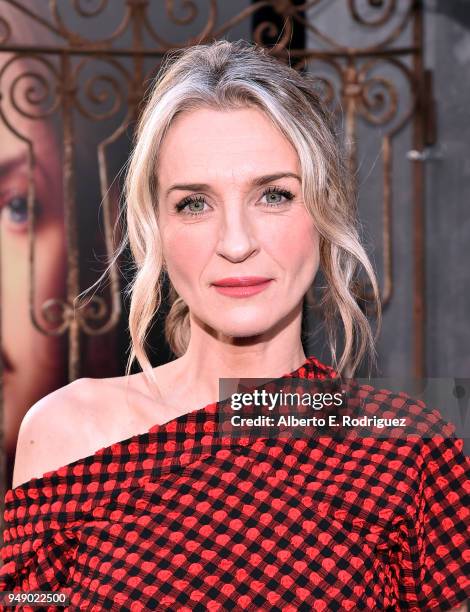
x=178 y=518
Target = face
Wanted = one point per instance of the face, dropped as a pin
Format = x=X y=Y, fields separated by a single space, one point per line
x=230 y=205
x=34 y=363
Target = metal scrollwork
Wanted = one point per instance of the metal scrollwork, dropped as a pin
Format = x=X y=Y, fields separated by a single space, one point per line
x=351 y=79
x=204 y=34
x=267 y=29
x=241 y=16
x=90 y=12
x=329 y=84
x=60 y=313
x=55 y=312
x=379 y=99
x=32 y=87
x=188 y=5
x=385 y=18
x=96 y=309
x=77 y=39
x=5 y=31
x=379 y=96
x=388 y=9
x=101 y=90
x=136 y=13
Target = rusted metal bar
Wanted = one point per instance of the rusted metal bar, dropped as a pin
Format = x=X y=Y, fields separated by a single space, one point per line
x=350 y=94
x=419 y=313
x=130 y=52
x=73 y=283
x=387 y=222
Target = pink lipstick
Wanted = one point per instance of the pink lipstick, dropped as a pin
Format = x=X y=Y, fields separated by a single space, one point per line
x=242 y=286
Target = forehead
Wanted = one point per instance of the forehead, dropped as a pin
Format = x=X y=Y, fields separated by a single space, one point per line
x=226 y=144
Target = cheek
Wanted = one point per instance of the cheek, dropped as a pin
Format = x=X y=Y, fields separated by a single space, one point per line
x=51 y=261
x=185 y=250
x=296 y=244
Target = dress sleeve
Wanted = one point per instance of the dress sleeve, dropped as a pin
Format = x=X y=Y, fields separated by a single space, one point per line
x=435 y=564
x=37 y=551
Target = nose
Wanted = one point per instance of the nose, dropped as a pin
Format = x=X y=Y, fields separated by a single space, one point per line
x=237 y=240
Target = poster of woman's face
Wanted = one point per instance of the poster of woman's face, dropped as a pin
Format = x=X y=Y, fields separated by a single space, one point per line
x=33 y=287
x=33 y=361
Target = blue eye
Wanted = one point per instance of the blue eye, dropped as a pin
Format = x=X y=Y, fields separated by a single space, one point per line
x=277 y=192
x=17 y=209
x=191 y=200
x=198 y=201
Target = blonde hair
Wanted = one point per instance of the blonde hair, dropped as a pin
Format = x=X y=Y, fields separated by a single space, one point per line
x=224 y=75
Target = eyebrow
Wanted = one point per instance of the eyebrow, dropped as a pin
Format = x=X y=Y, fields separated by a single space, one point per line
x=10 y=165
x=258 y=181
x=13 y=163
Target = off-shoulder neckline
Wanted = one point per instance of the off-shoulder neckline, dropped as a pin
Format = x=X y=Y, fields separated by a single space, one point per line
x=311 y=365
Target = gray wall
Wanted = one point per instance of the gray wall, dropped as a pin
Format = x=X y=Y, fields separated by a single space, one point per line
x=448 y=185
x=447 y=53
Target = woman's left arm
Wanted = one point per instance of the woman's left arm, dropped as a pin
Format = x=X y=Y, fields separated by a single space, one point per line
x=433 y=573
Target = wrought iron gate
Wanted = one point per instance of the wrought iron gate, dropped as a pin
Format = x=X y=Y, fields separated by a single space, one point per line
x=56 y=82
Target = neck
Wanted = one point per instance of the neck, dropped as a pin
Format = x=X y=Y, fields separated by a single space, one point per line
x=210 y=356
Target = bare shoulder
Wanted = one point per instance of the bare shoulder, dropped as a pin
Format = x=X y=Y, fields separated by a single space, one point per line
x=71 y=423
x=80 y=418
x=51 y=432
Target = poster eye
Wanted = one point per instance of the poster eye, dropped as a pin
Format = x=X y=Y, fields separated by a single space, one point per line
x=17 y=209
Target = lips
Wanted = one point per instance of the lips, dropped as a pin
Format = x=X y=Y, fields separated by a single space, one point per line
x=242 y=287
x=241 y=281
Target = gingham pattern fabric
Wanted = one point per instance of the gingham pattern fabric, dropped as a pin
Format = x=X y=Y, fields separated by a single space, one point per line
x=179 y=518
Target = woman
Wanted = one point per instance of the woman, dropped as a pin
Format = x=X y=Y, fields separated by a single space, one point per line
x=235 y=173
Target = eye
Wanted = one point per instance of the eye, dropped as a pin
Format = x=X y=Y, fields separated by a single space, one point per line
x=274 y=196
x=16 y=210
x=192 y=201
x=195 y=203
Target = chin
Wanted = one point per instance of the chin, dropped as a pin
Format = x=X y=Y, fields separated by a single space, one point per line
x=242 y=329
